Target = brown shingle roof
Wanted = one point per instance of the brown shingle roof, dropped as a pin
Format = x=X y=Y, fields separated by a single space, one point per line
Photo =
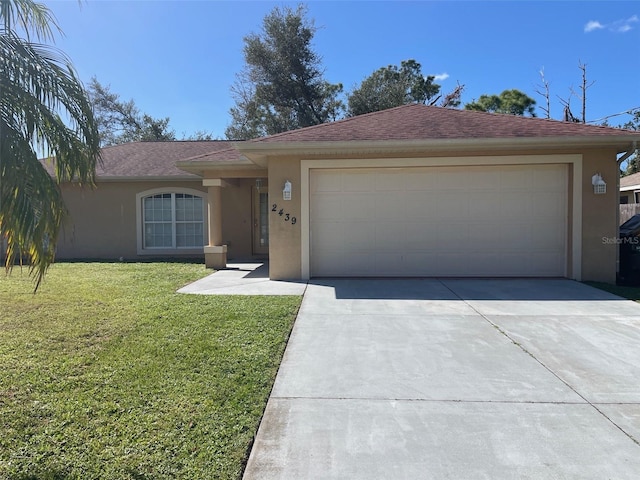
x=408 y=122
x=422 y=122
x=153 y=159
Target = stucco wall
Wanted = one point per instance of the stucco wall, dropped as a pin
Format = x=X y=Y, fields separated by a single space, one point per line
x=102 y=221
x=284 y=236
x=599 y=228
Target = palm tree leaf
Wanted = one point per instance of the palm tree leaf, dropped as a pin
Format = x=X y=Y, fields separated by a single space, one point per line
x=44 y=111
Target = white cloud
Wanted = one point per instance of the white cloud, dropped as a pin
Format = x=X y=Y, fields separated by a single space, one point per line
x=441 y=76
x=623 y=26
x=617 y=26
x=593 y=25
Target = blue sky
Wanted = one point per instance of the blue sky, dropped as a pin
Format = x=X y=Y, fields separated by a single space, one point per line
x=179 y=58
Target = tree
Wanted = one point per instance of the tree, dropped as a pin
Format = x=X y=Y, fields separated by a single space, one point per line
x=513 y=102
x=199 y=135
x=633 y=163
x=544 y=90
x=453 y=98
x=567 y=115
x=282 y=86
x=392 y=86
x=44 y=110
x=122 y=122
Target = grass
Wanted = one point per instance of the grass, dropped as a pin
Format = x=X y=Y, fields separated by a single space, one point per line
x=108 y=373
x=632 y=293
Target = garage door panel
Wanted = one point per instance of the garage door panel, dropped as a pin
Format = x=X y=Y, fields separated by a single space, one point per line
x=389 y=236
x=452 y=235
x=440 y=221
x=417 y=263
x=391 y=206
x=548 y=204
x=352 y=182
x=484 y=237
x=390 y=181
x=546 y=242
x=546 y=178
x=357 y=264
x=329 y=237
x=451 y=205
x=325 y=207
x=421 y=237
x=483 y=179
x=420 y=204
x=391 y=263
x=449 y=178
x=484 y=204
x=487 y=262
x=544 y=264
x=451 y=264
x=515 y=178
x=358 y=236
x=327 y=182
x=420 y=180
x=514 y=205
x=512 y=264
x=357 y=206
x=513 y=236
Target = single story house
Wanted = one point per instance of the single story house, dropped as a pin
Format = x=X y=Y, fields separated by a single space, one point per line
x=410 y=191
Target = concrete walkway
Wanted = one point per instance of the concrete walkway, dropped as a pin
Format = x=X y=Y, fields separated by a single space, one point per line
x=455 y=379
x=243 y=279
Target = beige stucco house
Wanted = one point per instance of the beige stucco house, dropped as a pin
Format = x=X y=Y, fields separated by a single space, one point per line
x=411 y=191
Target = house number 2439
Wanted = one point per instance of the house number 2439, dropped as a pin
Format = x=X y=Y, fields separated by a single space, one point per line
x=285 y=216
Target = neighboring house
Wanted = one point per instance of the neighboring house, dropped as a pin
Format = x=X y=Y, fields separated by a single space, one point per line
x=410 y=191
x=630 y=189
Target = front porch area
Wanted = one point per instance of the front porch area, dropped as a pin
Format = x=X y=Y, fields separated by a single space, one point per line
x=237 y=220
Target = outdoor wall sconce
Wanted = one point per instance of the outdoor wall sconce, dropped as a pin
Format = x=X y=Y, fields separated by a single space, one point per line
x=286 y=191
x=599 y=185
x=258 y=184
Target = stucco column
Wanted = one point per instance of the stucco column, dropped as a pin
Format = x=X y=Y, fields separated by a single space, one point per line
x=215 y=253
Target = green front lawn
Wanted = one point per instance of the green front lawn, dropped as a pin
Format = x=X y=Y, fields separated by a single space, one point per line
x=107 y=373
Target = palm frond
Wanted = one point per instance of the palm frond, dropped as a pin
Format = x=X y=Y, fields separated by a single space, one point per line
x=44 y=111
x=32 y=17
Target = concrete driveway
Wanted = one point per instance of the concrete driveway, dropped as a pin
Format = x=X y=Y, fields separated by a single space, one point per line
x=455 y=379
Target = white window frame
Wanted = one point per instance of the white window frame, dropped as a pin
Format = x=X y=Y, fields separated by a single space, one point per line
x=166 y=250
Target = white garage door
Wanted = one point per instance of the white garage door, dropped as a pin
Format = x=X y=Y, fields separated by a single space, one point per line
x=439 y=221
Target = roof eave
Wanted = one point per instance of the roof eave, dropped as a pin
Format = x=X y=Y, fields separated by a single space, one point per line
x=259 y=151
x=198 y=167
x=146 y=178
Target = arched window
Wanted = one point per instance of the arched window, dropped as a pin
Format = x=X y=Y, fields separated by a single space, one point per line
x=171 y=220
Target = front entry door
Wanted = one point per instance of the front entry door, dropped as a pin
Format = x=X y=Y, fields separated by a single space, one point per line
x=260 y=221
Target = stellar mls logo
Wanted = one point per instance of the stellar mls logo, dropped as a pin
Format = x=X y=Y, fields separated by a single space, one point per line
x=620 y=241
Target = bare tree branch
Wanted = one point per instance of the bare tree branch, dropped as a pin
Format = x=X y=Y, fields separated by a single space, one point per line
x=544 y=93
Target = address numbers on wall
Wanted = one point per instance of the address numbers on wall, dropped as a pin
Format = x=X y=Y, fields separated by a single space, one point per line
x=285 y=216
